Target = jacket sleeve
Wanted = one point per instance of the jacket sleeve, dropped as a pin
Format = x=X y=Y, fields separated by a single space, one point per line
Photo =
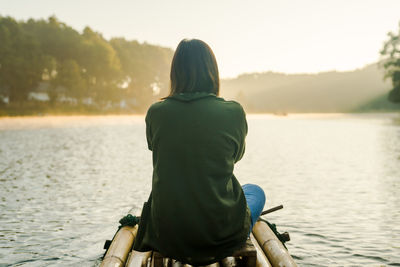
x=149 y=134
x=242 y=135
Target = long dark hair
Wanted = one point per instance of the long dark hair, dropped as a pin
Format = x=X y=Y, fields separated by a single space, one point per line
x=194 y=68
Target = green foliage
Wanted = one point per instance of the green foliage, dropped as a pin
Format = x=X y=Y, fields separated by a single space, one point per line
x=21 y=61
x=378 y=104
x=78 y=67
x=70 y=77
x=143 y=66
x=391 y=63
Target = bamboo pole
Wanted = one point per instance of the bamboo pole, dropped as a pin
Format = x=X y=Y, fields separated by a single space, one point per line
x=138 y=259
x=276 y=253
x=272 y=210
x=262 y=260
x=176 y=263
x=229 y=262
x=167 y=262
x=152 y=260
x=120 y=247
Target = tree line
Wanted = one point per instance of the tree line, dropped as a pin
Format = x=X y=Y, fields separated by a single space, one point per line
x=81 y=69
x=84 y=70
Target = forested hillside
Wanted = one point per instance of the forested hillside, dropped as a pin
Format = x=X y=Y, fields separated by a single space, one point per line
x=322 y=92
x=46 y=63
x=48 y=67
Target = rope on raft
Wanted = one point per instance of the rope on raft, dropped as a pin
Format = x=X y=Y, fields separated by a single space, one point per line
x=128 y=220
x=284 y=237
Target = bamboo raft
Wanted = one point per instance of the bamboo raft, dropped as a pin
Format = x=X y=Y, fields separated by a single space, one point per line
x=262 y=249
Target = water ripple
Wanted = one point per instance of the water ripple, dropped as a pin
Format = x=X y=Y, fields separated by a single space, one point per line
x=66 y=181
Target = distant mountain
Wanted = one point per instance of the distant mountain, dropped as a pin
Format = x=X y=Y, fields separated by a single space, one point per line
x=322 y=92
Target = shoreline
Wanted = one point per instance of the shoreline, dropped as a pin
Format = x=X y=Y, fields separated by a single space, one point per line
x=103 y=114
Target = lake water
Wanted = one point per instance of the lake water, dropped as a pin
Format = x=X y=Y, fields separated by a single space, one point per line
x=66 y=181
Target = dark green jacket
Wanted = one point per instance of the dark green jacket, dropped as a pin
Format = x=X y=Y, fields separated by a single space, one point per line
x=197 y=211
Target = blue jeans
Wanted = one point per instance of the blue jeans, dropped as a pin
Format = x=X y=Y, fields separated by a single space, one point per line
x=255 y=198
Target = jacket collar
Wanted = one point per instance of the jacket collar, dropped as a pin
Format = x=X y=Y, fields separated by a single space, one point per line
x=192 y=96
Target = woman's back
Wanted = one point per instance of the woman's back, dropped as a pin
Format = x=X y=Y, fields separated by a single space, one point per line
x=197 y=206
x=197 y=210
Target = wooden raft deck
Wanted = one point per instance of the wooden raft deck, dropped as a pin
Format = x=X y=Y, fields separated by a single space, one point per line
x=262 y=249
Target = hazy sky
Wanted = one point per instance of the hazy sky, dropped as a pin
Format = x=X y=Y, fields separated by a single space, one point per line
x=246 y=36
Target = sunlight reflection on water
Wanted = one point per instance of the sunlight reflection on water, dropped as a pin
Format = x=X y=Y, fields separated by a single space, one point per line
x=66 y=181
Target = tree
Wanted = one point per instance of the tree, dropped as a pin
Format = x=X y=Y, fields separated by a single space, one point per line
x=62 y=46
x=101 y=66
x=144 y=68
x=391 y=63
x=69 y=76
x=21 y=60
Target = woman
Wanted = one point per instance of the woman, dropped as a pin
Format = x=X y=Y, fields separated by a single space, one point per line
x=197 y=211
